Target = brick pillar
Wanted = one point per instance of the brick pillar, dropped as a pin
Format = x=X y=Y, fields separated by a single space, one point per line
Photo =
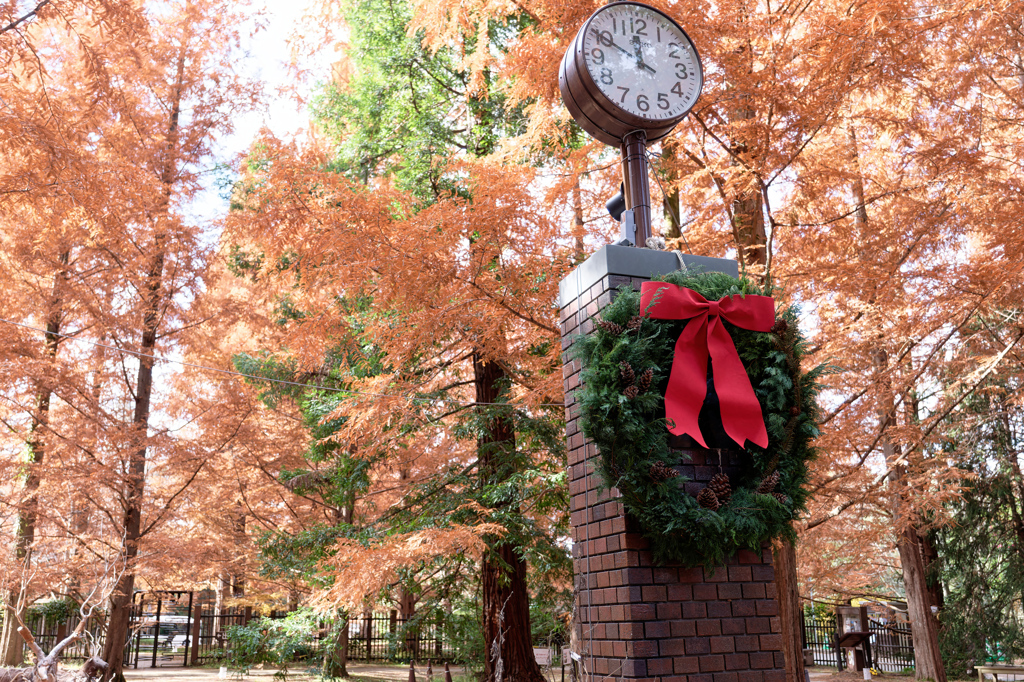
x=635 y=620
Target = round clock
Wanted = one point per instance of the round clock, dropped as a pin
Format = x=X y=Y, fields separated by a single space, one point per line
x=631 y=67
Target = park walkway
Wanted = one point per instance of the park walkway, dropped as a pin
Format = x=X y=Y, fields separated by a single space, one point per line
x=362 y=672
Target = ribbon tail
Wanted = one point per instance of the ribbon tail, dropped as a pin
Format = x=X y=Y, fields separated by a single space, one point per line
x=687 y=384
x=741 y=413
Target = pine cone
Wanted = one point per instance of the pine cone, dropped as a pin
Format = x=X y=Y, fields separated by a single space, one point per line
x=768 y=483
x=794 y=411
x=610 y=327
x=780 y=327
x=719 y=484
x=662 y=472
x=706 y=498
x=626 y=370
x=783 y=500
x=631 y=391
x=635 y=322
x=645 y=379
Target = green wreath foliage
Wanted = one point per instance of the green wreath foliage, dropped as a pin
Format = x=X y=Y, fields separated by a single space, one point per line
x=632 y=436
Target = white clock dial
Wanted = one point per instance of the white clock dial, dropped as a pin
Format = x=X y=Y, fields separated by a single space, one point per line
x=642 y=62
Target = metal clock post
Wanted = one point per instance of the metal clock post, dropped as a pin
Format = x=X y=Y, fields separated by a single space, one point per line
x=630 y=75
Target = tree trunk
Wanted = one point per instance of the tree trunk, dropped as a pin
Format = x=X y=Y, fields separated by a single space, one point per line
x=790 y=613
x=153 y=293
x=923 y=627
x=670 y=196
x=747 y=207
x=407 y=611
x=578 y=227
x=11 y=644
x=508 y=646
x=337 y=663
x=927 y=657
x=932 y=572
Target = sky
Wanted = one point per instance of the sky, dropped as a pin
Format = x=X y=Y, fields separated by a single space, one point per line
x=267 y=60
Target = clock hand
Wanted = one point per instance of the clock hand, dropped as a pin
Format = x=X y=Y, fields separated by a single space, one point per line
x=610 y=42
x=638 y=48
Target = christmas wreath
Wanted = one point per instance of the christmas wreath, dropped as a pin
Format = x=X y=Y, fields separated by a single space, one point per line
x=626 y=362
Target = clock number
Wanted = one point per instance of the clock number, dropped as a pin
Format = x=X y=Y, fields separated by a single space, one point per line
x=598 y=55
x=625 y=91
x=672 y=54
x=606 y=76
x=641 y=103
x=658 y=29
x=681 y=70
x=663 y=102
x=677 y=89
x=642 y=30
x=605 y=38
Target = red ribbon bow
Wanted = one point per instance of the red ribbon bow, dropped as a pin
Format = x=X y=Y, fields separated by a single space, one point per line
x=687 y=384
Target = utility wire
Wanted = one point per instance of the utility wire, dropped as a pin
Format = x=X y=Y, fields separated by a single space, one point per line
x=674 y=209
x=285 y=382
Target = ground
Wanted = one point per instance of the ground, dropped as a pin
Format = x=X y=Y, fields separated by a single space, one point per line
x=361 y=672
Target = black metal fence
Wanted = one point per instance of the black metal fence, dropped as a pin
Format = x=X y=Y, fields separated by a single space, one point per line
x=892 y=648
x=385 y=637
x=210 y=633
x=49 y=631
x=179 y=628
x=820 y=638
x=159 y=629
x=371 y=637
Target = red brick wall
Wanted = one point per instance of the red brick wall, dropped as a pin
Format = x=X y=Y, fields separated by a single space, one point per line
x=638 y=621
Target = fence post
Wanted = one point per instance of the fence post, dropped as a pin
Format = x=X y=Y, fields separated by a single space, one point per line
x=247 y=616
x=368 y=626
x=197 y=615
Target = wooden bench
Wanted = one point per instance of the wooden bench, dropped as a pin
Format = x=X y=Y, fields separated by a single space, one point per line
x=996 y=670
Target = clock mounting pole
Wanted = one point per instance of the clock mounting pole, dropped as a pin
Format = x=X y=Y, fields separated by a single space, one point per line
x=628 y=77
x=636 y=184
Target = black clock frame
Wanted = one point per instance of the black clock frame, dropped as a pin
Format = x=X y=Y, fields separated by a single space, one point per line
x=595 y=112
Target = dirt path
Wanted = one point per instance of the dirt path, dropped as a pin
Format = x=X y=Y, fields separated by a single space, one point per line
x=359 y=672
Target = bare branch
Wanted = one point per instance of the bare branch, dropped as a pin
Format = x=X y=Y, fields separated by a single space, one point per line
x=14 y=24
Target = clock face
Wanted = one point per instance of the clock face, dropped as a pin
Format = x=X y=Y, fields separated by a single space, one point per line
x=642 y=61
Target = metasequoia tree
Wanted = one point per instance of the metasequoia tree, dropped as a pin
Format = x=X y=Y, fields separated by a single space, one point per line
x=458 y=292
x=106 y=139
x=456 y=269
x=45 y=198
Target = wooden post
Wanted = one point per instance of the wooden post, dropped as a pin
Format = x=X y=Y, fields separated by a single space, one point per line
x=247 y=615
x=197 y=615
